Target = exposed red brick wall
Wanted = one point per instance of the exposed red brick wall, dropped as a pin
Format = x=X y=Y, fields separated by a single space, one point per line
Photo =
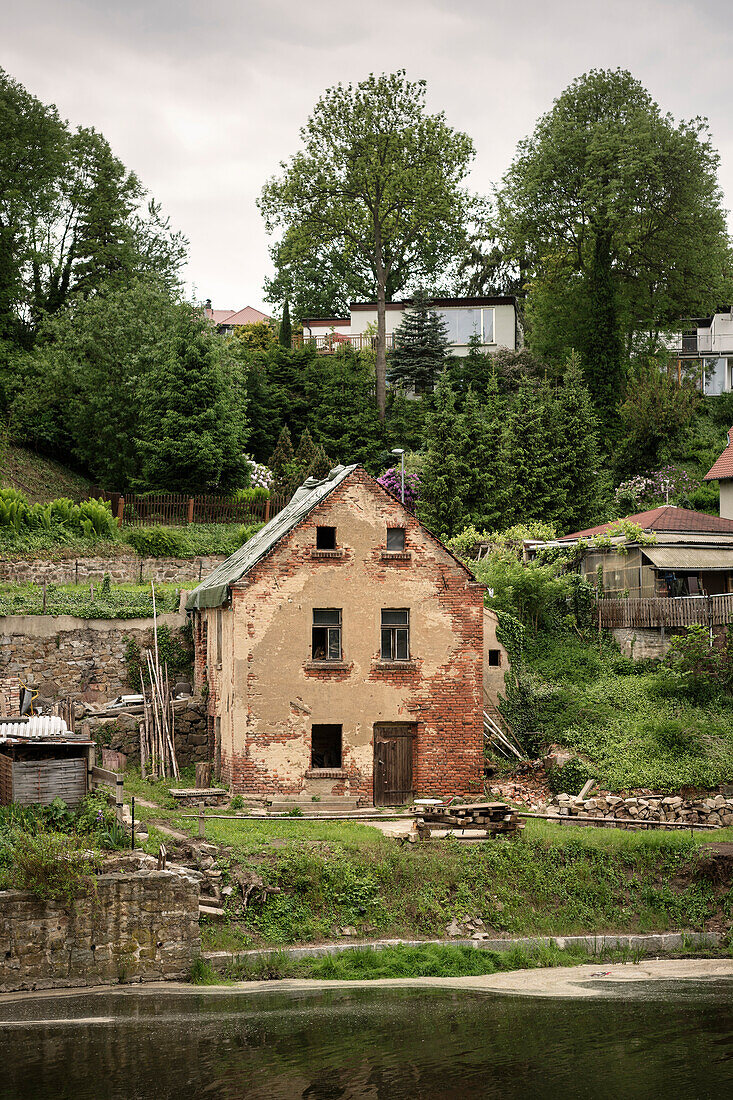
x=445 y=702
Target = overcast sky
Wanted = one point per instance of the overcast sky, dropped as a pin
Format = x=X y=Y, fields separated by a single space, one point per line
x=203 y=100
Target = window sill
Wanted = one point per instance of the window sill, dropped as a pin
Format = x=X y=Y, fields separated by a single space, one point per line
x=327 y=555
x=327 y=773
x=396 y=555
x=327 y=666
x=394 y=666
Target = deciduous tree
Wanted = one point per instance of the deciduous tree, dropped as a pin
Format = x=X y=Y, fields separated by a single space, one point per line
x=378 y=184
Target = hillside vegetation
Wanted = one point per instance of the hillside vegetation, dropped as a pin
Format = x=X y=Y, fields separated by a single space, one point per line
x=40 y=478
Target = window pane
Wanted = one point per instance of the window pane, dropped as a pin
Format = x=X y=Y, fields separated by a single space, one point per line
x=334 y=645
x=386 y=644
x=320 y=641
x=395 y=538
x=488 y=326
x=401 y=647
x=468 y=321
x=449 y=316
x=325 y=616
x=395 y=617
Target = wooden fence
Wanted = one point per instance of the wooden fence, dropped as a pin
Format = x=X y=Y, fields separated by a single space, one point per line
x=667 y=612
x=172 y=509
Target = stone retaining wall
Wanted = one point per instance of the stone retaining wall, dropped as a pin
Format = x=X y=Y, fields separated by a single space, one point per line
x=122 y=732
x=62 y=655
x=715 y=810
x=135 y=928
x=130 y=569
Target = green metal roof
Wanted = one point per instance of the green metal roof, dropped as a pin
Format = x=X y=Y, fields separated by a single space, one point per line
x=214 y=590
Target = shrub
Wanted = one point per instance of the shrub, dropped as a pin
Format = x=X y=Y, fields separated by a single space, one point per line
x=236 y=803
x=58 y=866
x=158 y=541
x=571 y=777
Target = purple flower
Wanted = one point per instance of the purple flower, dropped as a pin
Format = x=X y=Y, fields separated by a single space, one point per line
x=391 y=480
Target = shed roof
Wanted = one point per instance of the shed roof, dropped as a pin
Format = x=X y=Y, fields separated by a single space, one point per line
x=213 y=591
x=690 y=558
x=723 y=466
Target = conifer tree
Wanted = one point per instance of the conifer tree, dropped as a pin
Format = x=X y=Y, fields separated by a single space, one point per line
x=282 y=458
x=192 y=430
x=537 y=491
x=286 y=331
x=579 y=462
x=488 y=480
x=442 y=482
x=344 y=418
x=421 y=345
x=305 y=456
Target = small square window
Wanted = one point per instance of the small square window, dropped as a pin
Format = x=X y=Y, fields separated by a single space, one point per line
x=395 y=538
x=326 y=634
x=395 y=643
x=495 y=657
x=326 y=740
x=325 y=538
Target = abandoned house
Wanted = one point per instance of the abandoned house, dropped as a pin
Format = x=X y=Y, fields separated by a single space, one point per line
x=342 y=648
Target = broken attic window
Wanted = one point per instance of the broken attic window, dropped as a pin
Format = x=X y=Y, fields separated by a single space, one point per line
x=325 y=538
x=395 y=634
x=326 y=634
x=396 y=538
x=326 y=745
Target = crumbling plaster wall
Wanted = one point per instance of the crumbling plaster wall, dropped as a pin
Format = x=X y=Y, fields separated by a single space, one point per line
x=268 y=692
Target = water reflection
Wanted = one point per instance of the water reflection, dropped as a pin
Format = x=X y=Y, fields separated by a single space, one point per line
x=367 y=1044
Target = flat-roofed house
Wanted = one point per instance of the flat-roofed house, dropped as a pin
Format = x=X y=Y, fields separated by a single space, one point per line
x=494 y=320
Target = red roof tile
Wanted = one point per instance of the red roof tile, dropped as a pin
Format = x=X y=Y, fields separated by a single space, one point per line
x=666 y=518
x=722 y=467
x=247 y=316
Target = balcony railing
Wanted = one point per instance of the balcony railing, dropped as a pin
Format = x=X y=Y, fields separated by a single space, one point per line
x=662 y=612
x=694 y=346
x=332 y=341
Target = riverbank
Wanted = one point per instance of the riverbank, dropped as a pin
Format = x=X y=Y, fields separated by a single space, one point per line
x=587 y=980
x=341 y=881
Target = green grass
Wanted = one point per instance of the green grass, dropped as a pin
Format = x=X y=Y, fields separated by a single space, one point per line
x=180 y=542
x=634 y=726
x=123 y=601
x=552 y=881
x=401 y=961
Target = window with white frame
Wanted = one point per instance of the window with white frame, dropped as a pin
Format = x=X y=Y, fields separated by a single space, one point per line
x=464 y=323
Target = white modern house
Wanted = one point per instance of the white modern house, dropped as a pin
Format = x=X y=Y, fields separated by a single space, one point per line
x=495 y=320
x=704 y=347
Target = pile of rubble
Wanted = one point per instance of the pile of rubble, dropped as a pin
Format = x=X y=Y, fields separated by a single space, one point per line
x=715 y=810
x=199 y=862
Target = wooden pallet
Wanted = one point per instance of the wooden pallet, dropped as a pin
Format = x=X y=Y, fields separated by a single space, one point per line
x=467 y=822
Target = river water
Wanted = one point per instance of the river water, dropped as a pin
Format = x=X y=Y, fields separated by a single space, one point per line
x=656 y=1040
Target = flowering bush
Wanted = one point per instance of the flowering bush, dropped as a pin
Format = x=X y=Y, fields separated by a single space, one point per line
x=668 y=485
x=260 y=477
x=391 y=480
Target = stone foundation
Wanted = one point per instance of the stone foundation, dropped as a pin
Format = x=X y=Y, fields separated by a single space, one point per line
x=62 y=655
x=135 y=928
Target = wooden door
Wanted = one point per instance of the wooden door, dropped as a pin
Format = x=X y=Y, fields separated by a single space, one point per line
x=393 y=763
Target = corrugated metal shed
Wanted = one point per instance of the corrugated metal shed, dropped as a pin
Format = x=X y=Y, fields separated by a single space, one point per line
x=214 y=590
x=689 y=558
